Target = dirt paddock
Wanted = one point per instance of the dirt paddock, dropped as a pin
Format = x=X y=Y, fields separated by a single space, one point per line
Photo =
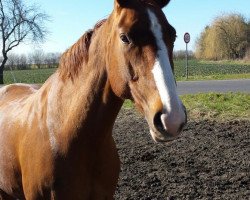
x=210 y=160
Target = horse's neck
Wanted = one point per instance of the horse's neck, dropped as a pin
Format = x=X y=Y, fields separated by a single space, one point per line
x=85 y=105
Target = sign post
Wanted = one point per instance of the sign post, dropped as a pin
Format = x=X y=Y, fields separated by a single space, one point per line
x=186 y=40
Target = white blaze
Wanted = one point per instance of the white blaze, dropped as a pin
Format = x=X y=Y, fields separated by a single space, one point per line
x=164 y=77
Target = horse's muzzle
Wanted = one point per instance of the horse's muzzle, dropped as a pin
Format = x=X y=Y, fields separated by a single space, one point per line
x=168 y=126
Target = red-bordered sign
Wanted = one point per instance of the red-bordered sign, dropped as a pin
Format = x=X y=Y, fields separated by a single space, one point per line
x=187 y=37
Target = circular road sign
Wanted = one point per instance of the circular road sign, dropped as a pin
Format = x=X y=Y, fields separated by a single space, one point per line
x=187 y=37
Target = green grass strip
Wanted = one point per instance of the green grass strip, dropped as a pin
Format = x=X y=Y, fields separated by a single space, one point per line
x=214 y=106
x=217 y=106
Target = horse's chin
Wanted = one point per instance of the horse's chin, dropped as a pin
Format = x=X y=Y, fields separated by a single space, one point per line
x=160 y=138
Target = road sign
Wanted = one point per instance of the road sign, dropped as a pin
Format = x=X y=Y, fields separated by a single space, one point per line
x=187 y=37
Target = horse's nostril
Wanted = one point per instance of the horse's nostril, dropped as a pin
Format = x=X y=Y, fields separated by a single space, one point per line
x=158 y=123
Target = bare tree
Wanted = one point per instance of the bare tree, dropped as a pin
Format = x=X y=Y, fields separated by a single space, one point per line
x=12 y=61
x=232 y=31
x=37 y=58
x=226 y=38
x=181 y=54
x=52 y=59
x=18 y=23
x=22 y=62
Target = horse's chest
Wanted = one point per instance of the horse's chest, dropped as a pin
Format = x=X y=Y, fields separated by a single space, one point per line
x=89 y=174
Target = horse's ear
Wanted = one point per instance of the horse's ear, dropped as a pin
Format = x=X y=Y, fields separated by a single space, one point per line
x=162 y=3
x=123 y=3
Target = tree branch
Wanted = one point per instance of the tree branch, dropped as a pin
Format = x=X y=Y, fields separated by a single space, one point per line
x=19 y=22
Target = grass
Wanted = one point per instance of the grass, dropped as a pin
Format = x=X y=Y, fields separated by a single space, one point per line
x=214 y=106
x=217 y=106
x=198 y=70
x=215 y=77
x=28 y=76
x=128 y=104
x=227 y=62
x=200 y=106
x=211 y=70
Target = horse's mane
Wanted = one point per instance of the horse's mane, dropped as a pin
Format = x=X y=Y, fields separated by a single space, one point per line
x=73 y=58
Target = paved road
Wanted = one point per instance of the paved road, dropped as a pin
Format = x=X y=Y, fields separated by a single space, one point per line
x=193 y=87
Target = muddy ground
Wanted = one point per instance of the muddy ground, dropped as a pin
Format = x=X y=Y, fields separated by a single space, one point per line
x=211 y=160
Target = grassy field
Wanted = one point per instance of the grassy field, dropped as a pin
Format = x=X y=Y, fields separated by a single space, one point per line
x=198 y=70
x=28 y=76
x=200 y=106
x=214 y=106
x=208 y=70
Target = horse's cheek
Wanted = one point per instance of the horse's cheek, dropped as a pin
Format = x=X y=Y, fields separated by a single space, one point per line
x=119 y=86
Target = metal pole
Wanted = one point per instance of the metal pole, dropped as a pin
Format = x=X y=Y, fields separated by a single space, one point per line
x=186 y=60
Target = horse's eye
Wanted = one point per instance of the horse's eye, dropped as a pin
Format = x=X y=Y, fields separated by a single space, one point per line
x=124 y=38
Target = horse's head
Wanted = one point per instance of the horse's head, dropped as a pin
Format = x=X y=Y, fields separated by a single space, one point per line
x=140 y=64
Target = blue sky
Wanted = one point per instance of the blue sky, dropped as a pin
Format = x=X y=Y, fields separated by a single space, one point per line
x=71 y=18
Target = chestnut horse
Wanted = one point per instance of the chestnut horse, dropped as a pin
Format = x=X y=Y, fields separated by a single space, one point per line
x=56 y=141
